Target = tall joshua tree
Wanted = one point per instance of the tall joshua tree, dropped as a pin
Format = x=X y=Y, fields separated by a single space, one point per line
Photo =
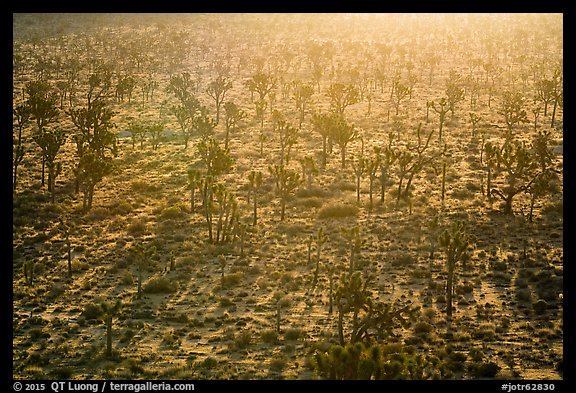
x=286 y=182
x=321 y=238
x=22 y=118
x=42 y=106
x=255 y=178
x=513 y=112
x=217 y=89
x=456 y=242
x=233 y=117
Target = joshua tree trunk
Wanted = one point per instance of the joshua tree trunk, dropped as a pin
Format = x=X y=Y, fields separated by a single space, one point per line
x=340 y=324
x=69 y=257
x=443 y=182
x=109 y=335
x=255 y=210
x=449 y=282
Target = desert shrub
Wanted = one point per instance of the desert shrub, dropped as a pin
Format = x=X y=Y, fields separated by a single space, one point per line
x=461 y=194
x=293 y=334
x=484 y=369
x=92 y=311
x=269 y=336
x=429 y=314
x=136 y=227
x=171 y=340
x=521 y=282
x=338 y=210
x=121 y=207
x=278 y=363
x=465 y=288
x=208 y=363
x=127 y=278
x=500 y=266
x=99 y=214
x=553 y=208
x=314 y=192
x=422 y=328
x=38 y=333
x=244 y=339
x=34 y=372
x=404 y=260
x=160 y=285
x=485 y=332
x=225 y=302
x=523 y=295
x=140 y=186
x=172 y=212
x=232 y=279
x=540 y=306
x=310 y=202
x=63 y=372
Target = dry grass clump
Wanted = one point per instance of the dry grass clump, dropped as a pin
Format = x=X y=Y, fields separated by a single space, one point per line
x=338 y=210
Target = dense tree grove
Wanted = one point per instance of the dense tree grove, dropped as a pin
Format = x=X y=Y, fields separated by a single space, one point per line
x=337 y=196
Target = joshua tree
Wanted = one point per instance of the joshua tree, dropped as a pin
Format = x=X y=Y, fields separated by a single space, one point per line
x=110 y=311
x=233 y=116
x=413 y=161
x=454 y=93
x=22 y=116
x=372 y=165
x=387 y=158
x=309 y=169
x=302 y=94
x=286 y=182
x=50 y=141
x=456 y=242
x=288 y=136
x=491 y=159
x=255 y=178
x=545 y=183
x=400 y=92
x=322 y=123
x=65 y=229
x=261 y=83
x=341 y=96
x=558 y=92
x=155 y=129
x=545 y=92
x=193 y=182
x=371 y=320
x=217 y=89
x=355 y=241
x=359 y=167
x=541 y=149
x=42 y=107
x=91 y=170
x=474 y=120
x=513 y=112
x=442 y=109
x=515 y=160
x=321 y=238
x=94 y=136
x=342 y=133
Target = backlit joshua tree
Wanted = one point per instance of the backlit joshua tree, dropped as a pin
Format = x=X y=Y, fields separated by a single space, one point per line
x=456 y=242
